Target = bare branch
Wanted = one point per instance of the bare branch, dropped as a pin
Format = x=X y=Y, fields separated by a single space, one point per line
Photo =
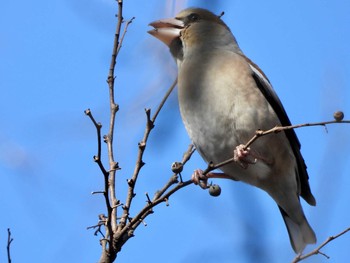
x=160 y=196
x=112 y=213
x=278 y=129
x=166 y=96
x=139 y=161
x=174 y=178
x=98 y=126
x=124 y=33
x=317 y=250
x=9 y=241
x=261 y=133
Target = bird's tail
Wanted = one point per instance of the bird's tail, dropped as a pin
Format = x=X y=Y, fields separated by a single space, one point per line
x=300 y=234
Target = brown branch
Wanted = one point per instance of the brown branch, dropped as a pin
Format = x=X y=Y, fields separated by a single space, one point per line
x=317 y=250
x=159 y=197
x=278 y=129
x=261 y=133
x=98 y=126
x=174 y=179
x=110 y=222
x=139 y=162
x=124 y=33
x=112 y=214
x=110 y=244
x=166 y=96
x=9 y=241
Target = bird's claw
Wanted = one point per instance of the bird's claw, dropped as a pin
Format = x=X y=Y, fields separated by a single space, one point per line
x=243 y=156
x=198 y=178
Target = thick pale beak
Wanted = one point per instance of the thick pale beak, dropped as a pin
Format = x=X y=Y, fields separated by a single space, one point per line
x=166 y=30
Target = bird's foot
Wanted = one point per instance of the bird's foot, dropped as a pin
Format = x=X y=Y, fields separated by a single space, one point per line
x=198 y=178
x=201 y=179
x=243 y=156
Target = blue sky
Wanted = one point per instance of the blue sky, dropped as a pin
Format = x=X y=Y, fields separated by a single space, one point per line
x=54 y=62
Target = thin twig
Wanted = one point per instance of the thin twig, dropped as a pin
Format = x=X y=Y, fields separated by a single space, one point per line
x=316 y=251
x=277 y=129
x=112 y=214
x=160 y=197
x=139 y=162
x=98 y=126
x=260 y=133
x=166 y=96
x=174 y=179
x=9 y=241
x=108 y=250
x=124 y=33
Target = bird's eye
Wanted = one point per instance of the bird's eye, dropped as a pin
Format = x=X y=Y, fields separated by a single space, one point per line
x=193 y=17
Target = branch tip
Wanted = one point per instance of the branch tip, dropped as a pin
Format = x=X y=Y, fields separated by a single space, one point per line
x=143 y=222
x=98 y=192
x=148 y=199
x=148 y=112
x=166 y=201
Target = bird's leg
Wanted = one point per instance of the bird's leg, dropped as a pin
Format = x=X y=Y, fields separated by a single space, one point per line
x=201 y=179
x=244 y=157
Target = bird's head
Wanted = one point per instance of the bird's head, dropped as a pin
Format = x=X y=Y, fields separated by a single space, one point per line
x=192 y=27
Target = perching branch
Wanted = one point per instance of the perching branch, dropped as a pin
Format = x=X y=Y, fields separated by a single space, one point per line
x=317 y=250
x=277 y=129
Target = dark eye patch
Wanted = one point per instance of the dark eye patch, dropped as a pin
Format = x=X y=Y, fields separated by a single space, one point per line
x=193 y=17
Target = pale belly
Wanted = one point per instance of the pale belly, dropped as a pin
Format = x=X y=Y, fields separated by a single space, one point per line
x=219 y=115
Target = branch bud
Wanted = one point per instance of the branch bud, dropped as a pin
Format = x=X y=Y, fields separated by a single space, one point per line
x=338 y=115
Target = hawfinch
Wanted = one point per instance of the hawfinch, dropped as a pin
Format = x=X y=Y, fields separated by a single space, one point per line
x=224 y=98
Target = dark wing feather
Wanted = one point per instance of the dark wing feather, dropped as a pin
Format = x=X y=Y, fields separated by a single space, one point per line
x=265 y=87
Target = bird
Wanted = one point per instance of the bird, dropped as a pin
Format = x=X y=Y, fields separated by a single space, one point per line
x=224 y=98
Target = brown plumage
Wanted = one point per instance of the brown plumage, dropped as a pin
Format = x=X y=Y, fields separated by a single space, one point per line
x=224 y=98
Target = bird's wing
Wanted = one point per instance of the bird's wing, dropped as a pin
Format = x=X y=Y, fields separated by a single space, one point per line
x=266 y=89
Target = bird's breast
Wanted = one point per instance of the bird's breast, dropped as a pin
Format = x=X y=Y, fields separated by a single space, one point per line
x=221 y=106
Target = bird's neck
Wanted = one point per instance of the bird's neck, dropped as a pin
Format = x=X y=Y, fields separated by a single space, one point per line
x=198 y=38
